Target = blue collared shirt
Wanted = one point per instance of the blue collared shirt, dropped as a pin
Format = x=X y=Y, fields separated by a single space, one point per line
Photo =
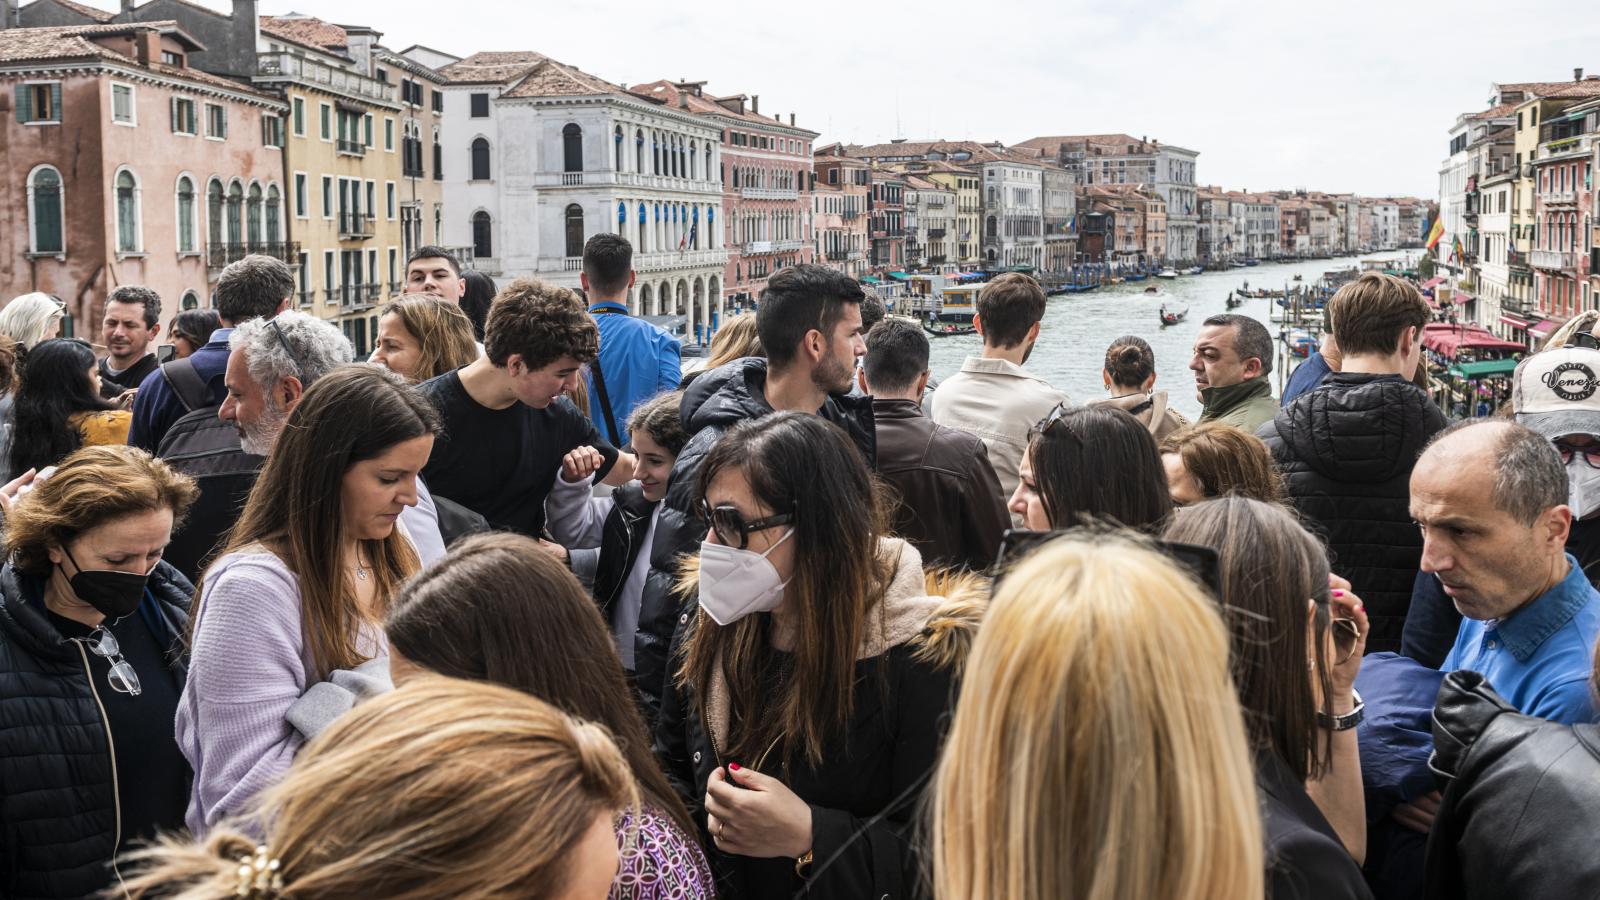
x=158 y=406
x=1540 y=657
x=639 y=361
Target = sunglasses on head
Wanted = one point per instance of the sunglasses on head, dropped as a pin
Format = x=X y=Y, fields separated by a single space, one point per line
x=731 y=528
x=1050 y=421
x=288 y=347
x=1200 y=562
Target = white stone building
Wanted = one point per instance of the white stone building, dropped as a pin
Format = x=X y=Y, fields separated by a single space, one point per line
x=543 y=156
x=1124 y=159
x=1013 y=221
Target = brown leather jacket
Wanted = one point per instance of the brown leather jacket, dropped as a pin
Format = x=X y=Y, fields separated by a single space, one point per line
x=1150 y=409
x=950 y=505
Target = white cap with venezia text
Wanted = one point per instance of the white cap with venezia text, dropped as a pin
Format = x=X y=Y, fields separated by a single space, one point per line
x=1557 y=392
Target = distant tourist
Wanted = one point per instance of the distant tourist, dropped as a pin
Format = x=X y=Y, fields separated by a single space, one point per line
x=736 y=339
x=421 y=336
x=131 y=323
x=1232 y=358
x=1309 y=375
x=993 y=396
x=637 y=359
x=189 y=330
x=32 y=318
x=59 y=408
x=434 y=270
x=476 y=298
x=1130 y=379
x=1211 y=460
x=1091 y=464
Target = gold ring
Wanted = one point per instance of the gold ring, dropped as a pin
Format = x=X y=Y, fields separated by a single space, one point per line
x=721 y=827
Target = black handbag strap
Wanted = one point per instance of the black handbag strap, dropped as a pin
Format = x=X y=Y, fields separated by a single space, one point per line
x=605 y=402
x=186 y=383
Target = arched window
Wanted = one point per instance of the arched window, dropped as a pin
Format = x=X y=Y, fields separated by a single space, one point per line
x=235 y=211
x=252 y=217
x=708 y=161
x=572 y=148
x=622 y=215
x=480 y=159
x=214 y=212
x=694 y=163
x=438 y=156
x=127 y=212
x=574 y=217
x=44 y=211
x=638 y=151
x=191 y=300
x=482 y=244
x=617 y=149
x=655 y=153
x=990 y=225
x=185 y=214
x=274 y=233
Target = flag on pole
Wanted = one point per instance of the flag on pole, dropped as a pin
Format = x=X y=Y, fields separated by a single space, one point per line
x=688 y=236
x=1436 y=232
x=1456 y=252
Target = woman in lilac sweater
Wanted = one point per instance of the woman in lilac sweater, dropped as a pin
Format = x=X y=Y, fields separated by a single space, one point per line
x=303 y=583
x=498 y=608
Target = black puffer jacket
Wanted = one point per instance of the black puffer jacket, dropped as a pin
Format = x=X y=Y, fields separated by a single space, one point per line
x=715 y=402
x=58 y=804
x=1521 y=803
x=1346 y=451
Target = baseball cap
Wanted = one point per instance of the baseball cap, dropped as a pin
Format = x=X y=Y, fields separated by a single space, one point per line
x=1557 y=392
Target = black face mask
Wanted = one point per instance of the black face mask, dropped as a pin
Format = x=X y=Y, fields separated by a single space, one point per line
x=114 y=594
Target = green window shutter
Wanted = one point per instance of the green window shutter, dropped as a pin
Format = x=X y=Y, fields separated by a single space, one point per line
x=55 y=101
x=24 y=98
x=173 y=104
x=224 y=118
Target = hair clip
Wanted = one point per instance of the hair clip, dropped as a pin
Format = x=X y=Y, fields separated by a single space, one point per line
x=259 y=875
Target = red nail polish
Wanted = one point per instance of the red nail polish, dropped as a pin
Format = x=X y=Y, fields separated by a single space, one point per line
x=1338 y=593
x=733 y=767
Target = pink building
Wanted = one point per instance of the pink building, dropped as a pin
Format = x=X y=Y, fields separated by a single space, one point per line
x=766 y=191
x=1562 y=200
x=126 y=166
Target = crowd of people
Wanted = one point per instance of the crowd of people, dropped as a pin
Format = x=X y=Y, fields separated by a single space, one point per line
x=528 y=605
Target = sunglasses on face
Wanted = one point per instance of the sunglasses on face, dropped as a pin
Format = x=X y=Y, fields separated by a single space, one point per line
x=731 y=528
x=1590 y=453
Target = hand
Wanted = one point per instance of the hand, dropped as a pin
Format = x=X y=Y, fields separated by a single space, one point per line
x=14 y=489
x=1347 y=605
x=580 y=464
x=554 y=549
x=126 y=398
x=1418 y=815
x=756 y=815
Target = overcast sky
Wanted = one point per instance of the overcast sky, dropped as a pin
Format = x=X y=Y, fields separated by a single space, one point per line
x=1350 y=96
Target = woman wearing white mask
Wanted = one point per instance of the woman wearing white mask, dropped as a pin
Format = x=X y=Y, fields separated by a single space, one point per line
x=809 y=690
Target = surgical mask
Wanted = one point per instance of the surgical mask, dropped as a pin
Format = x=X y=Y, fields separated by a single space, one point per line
x=113 y=594
x=1583 y=487
x=735 y=583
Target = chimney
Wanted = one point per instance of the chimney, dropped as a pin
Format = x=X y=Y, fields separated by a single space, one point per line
x=755 y=103
x=9 y=14
x=683 y=99
x=791 y=119
x=360 y=42
x=238 y=56
x=146 y=46
x=127 y=6
x=1577 y=74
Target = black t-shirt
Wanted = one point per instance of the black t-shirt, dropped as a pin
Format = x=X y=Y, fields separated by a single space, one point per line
x=113 y=384
x=152 y=774
x=500 y=463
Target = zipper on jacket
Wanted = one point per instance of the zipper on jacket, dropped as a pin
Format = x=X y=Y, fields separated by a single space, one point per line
x=711 y=736
x=111 y=746
x=627 y=550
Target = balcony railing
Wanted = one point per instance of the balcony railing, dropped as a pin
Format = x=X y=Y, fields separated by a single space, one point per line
x=761 y=193
x=218 y=256
x=306 y=297
x=609 y=178
x=1554 y=259
x=935 y=233
x=936 y=260
x=1558 y=198
x=271 y=66
x=757 y=247
x=352 y=148
x=838 y=254
x=354 y=226
x=463 y=255
x=395 y=288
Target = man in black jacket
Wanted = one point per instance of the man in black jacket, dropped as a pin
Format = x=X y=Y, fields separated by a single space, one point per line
x=1346 y=449
x=809 y=322
x=949 y=504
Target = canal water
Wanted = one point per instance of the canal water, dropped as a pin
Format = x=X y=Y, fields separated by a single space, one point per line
x=1079 y=327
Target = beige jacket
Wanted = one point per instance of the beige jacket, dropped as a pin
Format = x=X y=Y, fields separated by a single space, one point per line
x=1150 y=409
x=999 y=402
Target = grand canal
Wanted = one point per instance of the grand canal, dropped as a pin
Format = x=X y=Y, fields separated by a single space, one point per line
x=1078 y=327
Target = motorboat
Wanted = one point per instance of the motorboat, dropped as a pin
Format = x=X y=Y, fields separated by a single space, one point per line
x=1167 y=273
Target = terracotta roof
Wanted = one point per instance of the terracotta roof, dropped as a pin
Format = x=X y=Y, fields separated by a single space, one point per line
x=75 y=42
x=306 y=30
x=95 y=13
x=1588 y=87
x=554 y=79
x=1496 y=112
x=492 y=67
x=923 y=184
x=665 y=92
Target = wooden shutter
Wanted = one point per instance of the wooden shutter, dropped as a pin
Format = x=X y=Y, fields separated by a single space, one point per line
x=55 y=101
x=24 y=104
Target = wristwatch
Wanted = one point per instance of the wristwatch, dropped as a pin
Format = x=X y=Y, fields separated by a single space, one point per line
x=1347 y=721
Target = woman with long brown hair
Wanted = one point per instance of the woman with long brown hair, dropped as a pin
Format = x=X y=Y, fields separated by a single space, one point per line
x=1098 y=750
x=302 y=586
x=810 y=687
x=499 y=609
x=442 y=788
x=1214 y=459
x=421 y=337
x=1296 y=643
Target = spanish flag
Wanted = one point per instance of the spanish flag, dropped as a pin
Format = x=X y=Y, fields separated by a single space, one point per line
x=1436 y=232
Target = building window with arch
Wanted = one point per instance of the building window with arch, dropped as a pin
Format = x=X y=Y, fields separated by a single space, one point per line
x=185 y=214
x=47 y=232
x=235 y=213
x=214 y=212
x=127 y=213
x=274 y=233
x=617 y=150
x=638 y=151
x=438 y=157
x=482 y=240
x=191 y=300
x=252 y=217
x=571 y=148
x=574 y=229
x=480 y=159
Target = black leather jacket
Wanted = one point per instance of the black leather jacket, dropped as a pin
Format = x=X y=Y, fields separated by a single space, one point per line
x=1521 y=801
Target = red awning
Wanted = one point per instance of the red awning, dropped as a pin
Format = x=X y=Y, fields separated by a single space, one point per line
x=1432 y=283
x=1513 y=320
x=1442 y=337
x=1544 y=328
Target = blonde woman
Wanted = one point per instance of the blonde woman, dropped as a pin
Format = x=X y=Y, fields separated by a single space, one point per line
x=1098 y=749
x=442 y=788
x=736 y=339
x=421 y=336
x=32 y=318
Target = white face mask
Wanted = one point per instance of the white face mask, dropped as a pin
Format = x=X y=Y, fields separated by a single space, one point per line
x=1583 y=487
x=735 y=583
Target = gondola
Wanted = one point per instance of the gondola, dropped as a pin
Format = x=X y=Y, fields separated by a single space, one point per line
x=945 y=329
x=1235 y=301
x=1173 y=318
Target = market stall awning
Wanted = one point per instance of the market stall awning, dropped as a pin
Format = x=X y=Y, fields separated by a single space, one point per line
x=899 y=276
x=1487 y=368
x=1513 y=320
x=1447 y=339
x=1433 y=282
x=1544 y=328
x=871 y=279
